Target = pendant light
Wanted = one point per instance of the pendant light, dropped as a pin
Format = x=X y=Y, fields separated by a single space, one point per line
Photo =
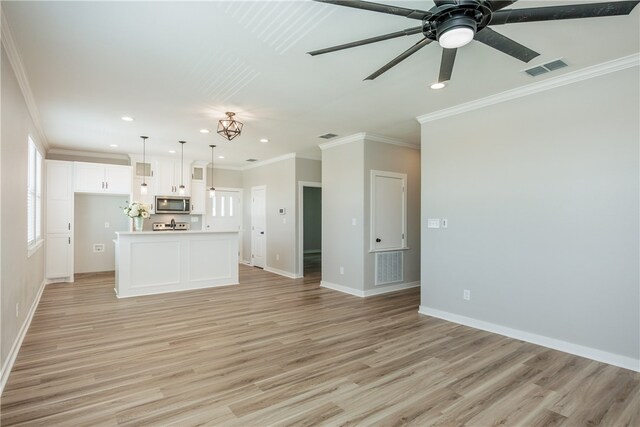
x=229 y=127
x=143 y=186
x=181 y=189
x=212 y=190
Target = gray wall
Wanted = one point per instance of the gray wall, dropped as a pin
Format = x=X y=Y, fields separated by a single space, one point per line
x=91 y=213
x=279 y=179
x=229 y=178
x=343 y=201
x=393 y=158
x=20 y=276
x=543 y=212
x=312 y=219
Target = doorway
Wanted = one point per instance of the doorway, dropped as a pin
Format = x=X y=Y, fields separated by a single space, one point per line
x=258 y=226
x=224 y=212
x=310 y=229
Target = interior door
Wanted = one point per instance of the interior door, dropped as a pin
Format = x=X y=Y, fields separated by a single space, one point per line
x=258 y=226
x=388 y=211
x=225 y=213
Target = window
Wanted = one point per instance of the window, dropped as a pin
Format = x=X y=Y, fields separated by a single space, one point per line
x=34 y=196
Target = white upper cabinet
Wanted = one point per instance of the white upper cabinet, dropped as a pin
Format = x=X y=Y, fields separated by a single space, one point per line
x=102 y=178
x=168 y=178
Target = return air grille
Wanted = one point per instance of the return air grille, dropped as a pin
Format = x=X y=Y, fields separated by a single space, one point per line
x=545 y=68
x=388 y=267
x=328 y=136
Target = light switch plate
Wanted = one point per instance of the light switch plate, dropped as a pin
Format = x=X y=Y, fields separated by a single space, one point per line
x=433 y=222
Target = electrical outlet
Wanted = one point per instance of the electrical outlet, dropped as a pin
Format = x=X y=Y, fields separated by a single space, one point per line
x=98 y=247
x=353 y=221
x=194 y=219
x=17 y=309
x=466 y=294
x=341 y=270
x=284 y=220
x=107 y=225
x=277 y=257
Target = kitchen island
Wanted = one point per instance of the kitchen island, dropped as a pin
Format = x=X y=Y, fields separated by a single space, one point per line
x=153 y=262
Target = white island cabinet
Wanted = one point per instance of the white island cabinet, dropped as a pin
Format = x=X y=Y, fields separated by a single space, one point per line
x=153 y=262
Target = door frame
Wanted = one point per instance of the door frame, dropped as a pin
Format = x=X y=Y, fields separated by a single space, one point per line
x=266 y=235
x=301 y=185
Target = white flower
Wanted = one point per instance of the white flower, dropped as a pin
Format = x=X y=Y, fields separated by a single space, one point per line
x=137 y=209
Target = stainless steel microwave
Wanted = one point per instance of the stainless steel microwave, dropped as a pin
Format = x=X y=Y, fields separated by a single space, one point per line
x=173 y=205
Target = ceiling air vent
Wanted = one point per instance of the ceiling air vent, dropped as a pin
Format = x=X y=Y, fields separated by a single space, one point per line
x=252 y=160
x=545 y=68
x=328 y=136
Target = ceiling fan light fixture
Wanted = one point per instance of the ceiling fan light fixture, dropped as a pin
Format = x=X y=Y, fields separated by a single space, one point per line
x=456 y=32
x=456 y=37
x=229 y=128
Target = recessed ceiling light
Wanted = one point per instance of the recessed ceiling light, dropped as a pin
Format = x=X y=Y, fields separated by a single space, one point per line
x=172 y=151
x=204 y=130
x=221 y=157
x=438 y=85
x=127 y=118
x=113 y=145
x=264 y=140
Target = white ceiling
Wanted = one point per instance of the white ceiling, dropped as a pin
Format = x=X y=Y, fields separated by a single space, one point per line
x=176 y=67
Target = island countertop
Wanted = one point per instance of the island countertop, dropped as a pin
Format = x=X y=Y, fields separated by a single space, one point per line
x=122 y=233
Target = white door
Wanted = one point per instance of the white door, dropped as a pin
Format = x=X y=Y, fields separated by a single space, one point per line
x=225 y=211
x=388 y=210
x=258 y=226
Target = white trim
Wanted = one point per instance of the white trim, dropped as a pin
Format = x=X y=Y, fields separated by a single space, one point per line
x=341 y=288
x=367 y=136
x=385 y=289
x=300 y=249
x=309 y=157
x=556 y=344
x=15 y=348
x=94 y=154
x=34 y=248
x=551 y=83
x=18 y=68
x=270 y=161
x=282 y=272
x=369 y=292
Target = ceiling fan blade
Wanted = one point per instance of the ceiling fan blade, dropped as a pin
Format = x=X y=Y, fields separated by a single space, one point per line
x=404 y=55
x=505 y=44
x=501 y=4
x=382 y=8
x=574 y=11
x=407 y=32
x=446 y=65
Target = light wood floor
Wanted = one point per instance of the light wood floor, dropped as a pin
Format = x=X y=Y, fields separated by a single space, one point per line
x=276 y=351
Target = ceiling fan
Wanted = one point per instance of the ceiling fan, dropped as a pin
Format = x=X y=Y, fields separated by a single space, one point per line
x=454 y=23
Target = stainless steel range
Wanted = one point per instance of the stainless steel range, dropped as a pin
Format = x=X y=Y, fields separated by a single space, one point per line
x=172 y=226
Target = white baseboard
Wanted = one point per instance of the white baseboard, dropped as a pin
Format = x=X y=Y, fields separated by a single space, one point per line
x=369 y=292
x=341 y=288
x=15 y=348
x=312 y=251
x=567 y=347
x=282 y=272
x=385 y=289
x=245 y=262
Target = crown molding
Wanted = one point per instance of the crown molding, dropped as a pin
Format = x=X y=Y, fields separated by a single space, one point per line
x=552 y=83
x=367 y=136
x=18 y=68
x=80 y=153
x=270 y=161
x=309 y=157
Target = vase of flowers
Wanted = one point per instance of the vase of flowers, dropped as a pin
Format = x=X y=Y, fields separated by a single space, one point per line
x=138 y=212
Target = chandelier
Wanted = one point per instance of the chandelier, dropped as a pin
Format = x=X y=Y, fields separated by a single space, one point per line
x=228 y=127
